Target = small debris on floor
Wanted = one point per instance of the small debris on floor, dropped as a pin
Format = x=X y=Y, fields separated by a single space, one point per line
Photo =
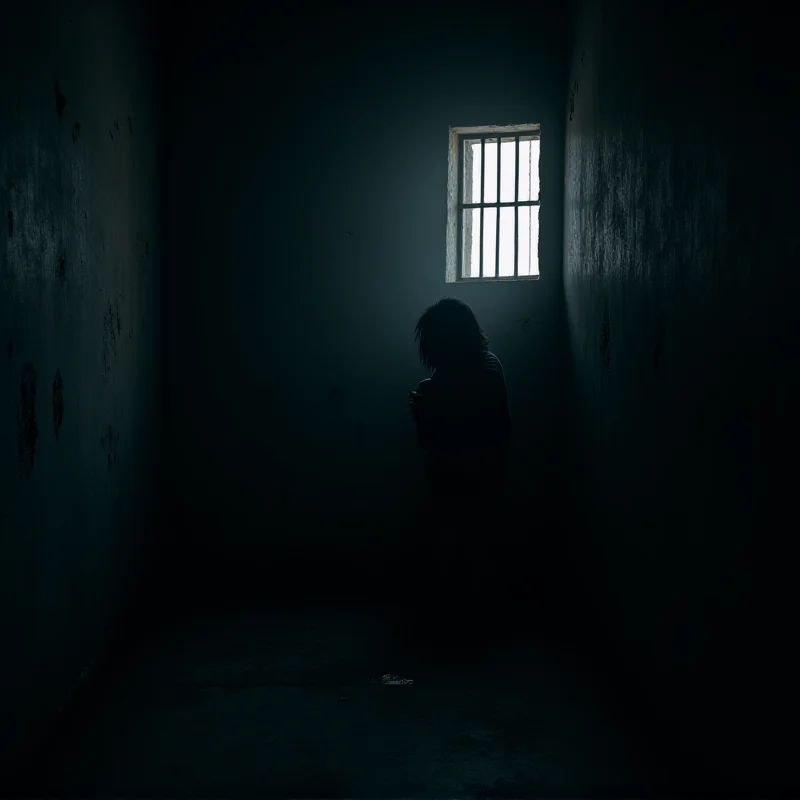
x=395 y=680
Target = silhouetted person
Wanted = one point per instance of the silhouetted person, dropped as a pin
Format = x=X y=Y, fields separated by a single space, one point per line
x=464 y=425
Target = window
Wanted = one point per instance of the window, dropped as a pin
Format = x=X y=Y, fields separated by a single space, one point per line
x=493 y=203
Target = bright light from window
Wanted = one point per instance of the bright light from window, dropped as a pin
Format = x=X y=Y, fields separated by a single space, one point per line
x=498 y=245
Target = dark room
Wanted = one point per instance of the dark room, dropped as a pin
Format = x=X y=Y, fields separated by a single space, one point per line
x=398 y=401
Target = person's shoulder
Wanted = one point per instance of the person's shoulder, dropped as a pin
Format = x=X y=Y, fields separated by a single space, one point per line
x=492 y=362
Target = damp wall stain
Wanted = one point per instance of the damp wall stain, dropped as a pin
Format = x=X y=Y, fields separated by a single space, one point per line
x=68 y=197
x=680 y=281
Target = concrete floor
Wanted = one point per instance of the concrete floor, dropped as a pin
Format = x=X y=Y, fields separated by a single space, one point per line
x=292 y=704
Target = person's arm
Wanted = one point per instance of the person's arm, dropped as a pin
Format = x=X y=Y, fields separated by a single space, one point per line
x=423 y=413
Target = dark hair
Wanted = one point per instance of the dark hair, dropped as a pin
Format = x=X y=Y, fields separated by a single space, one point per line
x=448 y=332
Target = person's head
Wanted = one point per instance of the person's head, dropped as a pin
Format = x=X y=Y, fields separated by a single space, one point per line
x=449 y=334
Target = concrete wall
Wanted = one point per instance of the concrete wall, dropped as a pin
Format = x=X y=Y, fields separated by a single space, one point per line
x=307 y=192
x=681 y=246
x=79 y=318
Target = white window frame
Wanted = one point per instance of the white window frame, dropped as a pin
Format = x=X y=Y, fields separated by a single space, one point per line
x=456 y=204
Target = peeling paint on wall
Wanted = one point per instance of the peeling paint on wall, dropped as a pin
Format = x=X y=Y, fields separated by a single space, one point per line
x=572 y=95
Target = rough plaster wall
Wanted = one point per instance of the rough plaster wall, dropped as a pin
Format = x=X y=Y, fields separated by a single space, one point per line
x=78 y=320
x=291 y=345
x=681 y=246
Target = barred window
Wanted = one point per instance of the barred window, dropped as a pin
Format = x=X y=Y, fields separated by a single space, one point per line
x=493 y=203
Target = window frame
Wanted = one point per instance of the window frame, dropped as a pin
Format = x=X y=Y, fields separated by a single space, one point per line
x=455 y=206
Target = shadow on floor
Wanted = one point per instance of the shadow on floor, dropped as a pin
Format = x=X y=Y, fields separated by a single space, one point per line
x=296 y=704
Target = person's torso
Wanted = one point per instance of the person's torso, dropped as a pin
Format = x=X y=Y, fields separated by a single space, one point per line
x=472 y=416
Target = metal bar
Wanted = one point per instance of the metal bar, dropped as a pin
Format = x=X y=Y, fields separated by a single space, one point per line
x=516 y=209
x=497 y=225
x=508 y=278
x=483 y=175
x=460 y=210
x=530 y=227
x=509 y=204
